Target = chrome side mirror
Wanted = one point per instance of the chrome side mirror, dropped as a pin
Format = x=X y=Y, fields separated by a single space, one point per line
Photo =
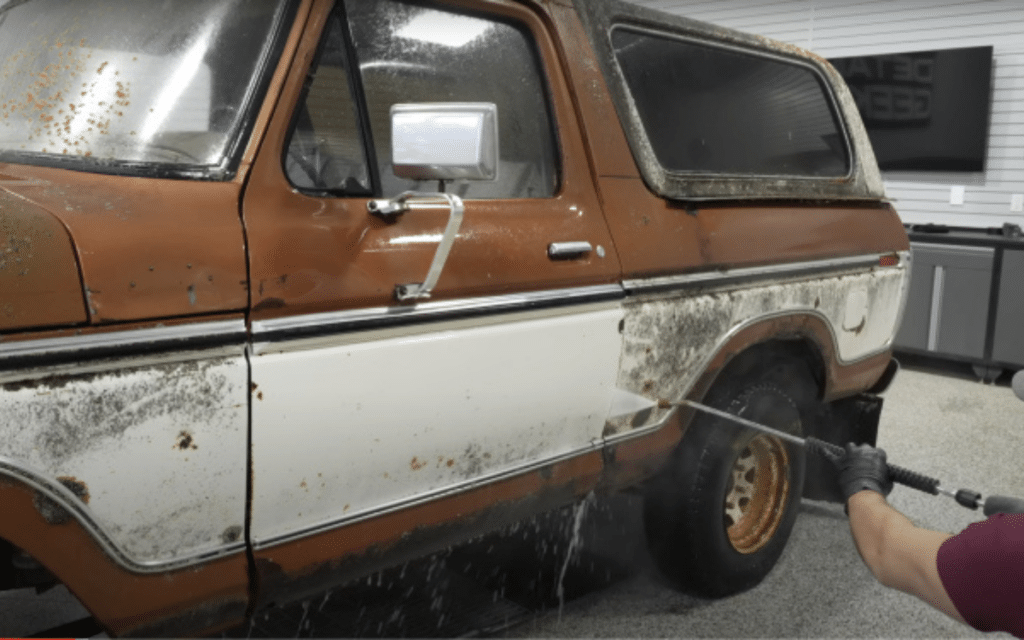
x=445 y=141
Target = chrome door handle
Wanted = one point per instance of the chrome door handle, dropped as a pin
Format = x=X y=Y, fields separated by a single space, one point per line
x=569 y=249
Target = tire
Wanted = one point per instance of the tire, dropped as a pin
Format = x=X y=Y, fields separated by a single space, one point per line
x=718 y=516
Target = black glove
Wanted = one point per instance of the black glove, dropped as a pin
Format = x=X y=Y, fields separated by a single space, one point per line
x=861 y=467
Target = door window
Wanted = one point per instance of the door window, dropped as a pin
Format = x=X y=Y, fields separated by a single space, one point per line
x=411 y=53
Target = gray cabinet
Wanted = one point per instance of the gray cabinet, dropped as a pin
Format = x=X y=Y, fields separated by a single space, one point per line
x=1008 y=341
x=966 y=299
x=947 y=306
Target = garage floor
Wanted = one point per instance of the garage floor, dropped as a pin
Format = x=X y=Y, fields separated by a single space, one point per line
x=937 y=420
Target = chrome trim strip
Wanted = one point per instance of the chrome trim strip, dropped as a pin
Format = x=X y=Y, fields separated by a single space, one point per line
x=429 y=496
x=625 y=436
x=317 y=324
x=726 y=276
x=185 y=336
x=81 y=512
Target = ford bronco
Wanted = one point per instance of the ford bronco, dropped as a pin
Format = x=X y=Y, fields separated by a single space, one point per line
x=294 y=290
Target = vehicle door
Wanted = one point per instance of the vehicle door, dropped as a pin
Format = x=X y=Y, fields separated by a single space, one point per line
x=365 y=404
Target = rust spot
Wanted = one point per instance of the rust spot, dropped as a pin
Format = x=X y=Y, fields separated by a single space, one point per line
x=51 y=511
x=302 y=485
x=346 y=508
x=77 y=487
x=415 y=464
x=232 y=533
x=663 y=403
x=253 y=386
x=185 y=441
x=817 y=302
x=648 y=386
x=259 y=395
x=450 y=462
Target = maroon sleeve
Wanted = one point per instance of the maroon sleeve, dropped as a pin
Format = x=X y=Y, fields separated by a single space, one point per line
x=982 y=569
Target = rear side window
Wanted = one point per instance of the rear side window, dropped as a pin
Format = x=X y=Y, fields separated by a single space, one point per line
x=709 y=109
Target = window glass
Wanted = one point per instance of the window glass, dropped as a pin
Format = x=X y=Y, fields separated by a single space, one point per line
x=121 y=82
x=409 y=53
x=713 y=110
x=325 y=152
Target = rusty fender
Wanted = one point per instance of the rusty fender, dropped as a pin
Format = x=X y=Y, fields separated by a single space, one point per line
x=674 y=341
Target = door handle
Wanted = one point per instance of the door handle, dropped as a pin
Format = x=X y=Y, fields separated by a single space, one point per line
x=562 y=250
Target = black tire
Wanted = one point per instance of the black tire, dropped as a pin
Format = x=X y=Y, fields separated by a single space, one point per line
x=720 y=513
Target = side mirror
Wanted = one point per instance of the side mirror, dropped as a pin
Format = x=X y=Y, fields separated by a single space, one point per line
x=445 y=141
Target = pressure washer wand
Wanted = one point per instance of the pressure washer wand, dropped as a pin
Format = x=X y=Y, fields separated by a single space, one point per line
x=906 y=477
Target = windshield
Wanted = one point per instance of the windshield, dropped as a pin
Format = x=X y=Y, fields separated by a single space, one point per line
x=123 y=82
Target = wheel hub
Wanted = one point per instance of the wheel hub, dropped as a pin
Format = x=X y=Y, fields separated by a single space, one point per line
x=757 y=493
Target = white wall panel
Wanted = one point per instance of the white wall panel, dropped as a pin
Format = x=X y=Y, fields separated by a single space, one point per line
x=833 y=28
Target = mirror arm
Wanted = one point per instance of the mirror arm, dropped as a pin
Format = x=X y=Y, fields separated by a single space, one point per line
x=408 y=201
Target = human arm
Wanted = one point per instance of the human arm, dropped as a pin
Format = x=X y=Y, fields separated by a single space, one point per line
x=898 y=553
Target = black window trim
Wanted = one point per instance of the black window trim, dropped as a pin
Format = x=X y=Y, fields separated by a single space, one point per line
x=355 y=85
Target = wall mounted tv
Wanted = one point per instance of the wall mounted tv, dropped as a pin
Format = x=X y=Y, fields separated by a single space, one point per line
x=924 y=110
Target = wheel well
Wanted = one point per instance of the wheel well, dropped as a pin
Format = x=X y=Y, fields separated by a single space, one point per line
x=7 y=573
x=771 y=353
x=19 y=570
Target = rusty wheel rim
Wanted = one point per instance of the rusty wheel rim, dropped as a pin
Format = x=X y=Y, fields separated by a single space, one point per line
x=757 y=494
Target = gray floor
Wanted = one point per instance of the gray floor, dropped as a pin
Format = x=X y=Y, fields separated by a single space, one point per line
x=940 y=422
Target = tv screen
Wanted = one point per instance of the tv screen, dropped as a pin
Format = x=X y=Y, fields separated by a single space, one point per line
x=924 y=110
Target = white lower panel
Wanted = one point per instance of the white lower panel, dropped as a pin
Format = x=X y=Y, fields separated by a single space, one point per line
x=346 y=430
x=157 y=452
